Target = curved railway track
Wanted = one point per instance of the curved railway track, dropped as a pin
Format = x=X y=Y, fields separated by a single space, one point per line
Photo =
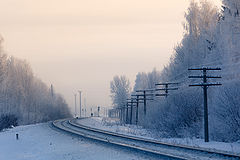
x=152 y=147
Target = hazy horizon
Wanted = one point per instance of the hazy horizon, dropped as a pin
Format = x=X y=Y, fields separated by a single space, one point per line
x=81 y=45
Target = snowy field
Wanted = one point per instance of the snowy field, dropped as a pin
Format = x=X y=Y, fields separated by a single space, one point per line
x=114 y=126
x=41 y=142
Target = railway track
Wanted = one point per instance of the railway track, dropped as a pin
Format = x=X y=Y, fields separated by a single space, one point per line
x=152 y=147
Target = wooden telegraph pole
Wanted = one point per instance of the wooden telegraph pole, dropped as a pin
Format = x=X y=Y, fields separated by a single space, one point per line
x=205 y=86
x=138 y=100
x=134 y=102
x=166 y=89
x=127 y=112
x=144 y=94
x=131 y=103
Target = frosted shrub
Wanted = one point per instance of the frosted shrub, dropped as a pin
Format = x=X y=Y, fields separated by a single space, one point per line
x=227 y=113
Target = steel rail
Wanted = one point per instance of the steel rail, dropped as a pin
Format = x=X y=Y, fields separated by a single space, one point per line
x=62 y=125
x=221 y=153
x=194 y=150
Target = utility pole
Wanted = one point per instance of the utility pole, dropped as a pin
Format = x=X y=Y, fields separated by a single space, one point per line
x=52 y=91
x=205 y=86
x=134 y=102
x=137 y=104
x=145 y=102
x=130 y=103
x=131 y=111
x=98 y=109
x=137 y=110
x=75 y=96
x=122 y=113
x=145 y=97
x=166 y=88
x=127 y=113
x=80 y=102
x=85 y=106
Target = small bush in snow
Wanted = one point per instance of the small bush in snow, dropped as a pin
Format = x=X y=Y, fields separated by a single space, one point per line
x=8 y=121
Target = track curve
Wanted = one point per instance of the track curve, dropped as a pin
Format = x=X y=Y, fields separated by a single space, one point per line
x=152 y=147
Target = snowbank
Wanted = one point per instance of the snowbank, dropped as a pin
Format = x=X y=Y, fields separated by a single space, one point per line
x=115 y=126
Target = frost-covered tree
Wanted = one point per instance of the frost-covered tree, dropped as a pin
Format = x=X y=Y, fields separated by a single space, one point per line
x=141 y=81
x=229 y=36
x=120 y=90
x=225 y=118
x=198 y=43
x=3 y=60
x=25 y=98
x=211 y=39
x=198 y=40
x=147 y=80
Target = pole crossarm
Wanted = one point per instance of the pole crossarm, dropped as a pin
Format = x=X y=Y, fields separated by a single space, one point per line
x=130 y=105
x=135 y=102
x=203 y=77
x=134 y=99
x=159 y=95
x=146 y=99
x=149 y=94
x=205 y=84
x=161 y=84
x=131 y=102
x=164 y=89
x=204 y=68
x=145 y=90
x=142 y=99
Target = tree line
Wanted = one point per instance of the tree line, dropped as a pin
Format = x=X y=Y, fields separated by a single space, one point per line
x=24 y=98
x=211 y=39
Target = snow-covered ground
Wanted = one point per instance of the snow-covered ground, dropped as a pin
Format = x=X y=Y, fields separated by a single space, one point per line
x=114 y=126
x=41 y=142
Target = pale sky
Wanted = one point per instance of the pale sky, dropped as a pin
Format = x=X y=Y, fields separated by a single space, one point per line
x=82 y=44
